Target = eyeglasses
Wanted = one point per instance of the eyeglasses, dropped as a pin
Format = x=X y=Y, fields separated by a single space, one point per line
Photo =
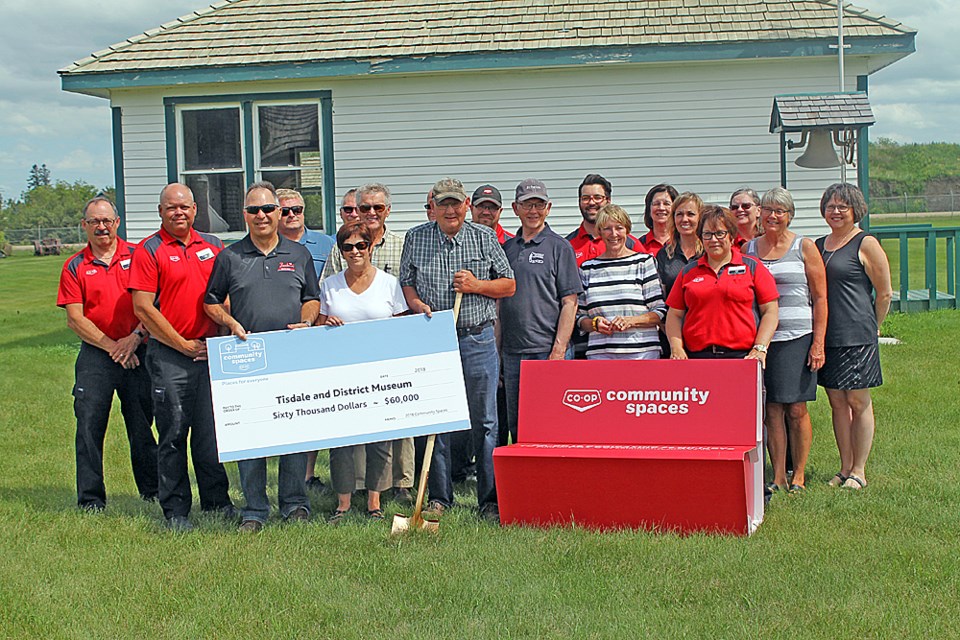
x=348 y=209
x=347 y=247
x=487 y=206
x=266 y=208
x=427 y=206
x=839 y=208
x=294 y=210
x=106 y=222
x=719 y=235
x=776 y=212
x=532 y=205
x=376 y=208
x=742 y=205
x=594 y=198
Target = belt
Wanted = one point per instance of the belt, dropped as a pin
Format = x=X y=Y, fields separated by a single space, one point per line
x=475 y=329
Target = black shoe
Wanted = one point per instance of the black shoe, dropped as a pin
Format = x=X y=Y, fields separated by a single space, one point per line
x=179 y=524
x=92 y=507
x=300 y=514
x=250 y=526
x=491 y=513
x=315 y=484
x=227 y=512
x=149 y=497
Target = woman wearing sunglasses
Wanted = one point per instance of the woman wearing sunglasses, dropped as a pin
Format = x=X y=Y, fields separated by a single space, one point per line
x=745 y=205
x=359 y=292
x=711 y=305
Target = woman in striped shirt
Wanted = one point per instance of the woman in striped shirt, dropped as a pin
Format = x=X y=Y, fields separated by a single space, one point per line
x=797 y=349
x=622 y=304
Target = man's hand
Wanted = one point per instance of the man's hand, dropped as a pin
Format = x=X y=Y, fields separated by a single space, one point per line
x=123 y=349
x=424 y=308
x=196 y=349
x=465 y=282
x=237 y=330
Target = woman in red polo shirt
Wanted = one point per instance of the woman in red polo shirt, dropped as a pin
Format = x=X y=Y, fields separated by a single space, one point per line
x=659 y=203
x=724 y=305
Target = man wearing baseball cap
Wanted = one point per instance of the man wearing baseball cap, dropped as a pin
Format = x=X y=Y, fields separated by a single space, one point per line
x=440 y=259
x=486 y=205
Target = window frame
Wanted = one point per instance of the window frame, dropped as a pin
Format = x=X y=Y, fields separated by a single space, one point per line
x=249 y=137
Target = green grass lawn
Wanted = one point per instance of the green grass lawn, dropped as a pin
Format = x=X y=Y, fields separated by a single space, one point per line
x=828 y=563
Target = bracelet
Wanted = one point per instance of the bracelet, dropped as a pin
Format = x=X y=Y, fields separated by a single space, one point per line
x=596 y=323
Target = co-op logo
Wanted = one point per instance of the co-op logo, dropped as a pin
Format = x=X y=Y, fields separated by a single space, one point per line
x=581 y=399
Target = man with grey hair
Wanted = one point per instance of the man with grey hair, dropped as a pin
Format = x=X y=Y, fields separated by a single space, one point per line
x=289 y=298
x=93 y=291
x=292 y=227
x=440 y=259
x=168 y=280
x=373 y=204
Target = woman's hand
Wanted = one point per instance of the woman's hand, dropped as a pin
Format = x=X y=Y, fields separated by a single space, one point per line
x=678 y=354
x=604 y=326
x=815 y=358
x=333 y=321
x=757 y=355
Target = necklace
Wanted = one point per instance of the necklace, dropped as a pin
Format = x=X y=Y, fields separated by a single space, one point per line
x=843 y=242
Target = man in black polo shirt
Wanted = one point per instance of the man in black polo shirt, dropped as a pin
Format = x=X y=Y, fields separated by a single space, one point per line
x=271 y=285
x=537 y=321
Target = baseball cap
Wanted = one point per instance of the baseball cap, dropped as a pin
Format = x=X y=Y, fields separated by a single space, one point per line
x=531 y=188
x=449 y=188
x=487 y=193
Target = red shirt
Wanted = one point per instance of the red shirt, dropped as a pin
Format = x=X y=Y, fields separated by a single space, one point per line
x=586 y=247
x=178 y=275
x=502 y=234
x=649 y=244
x=101 y=288
x=721 y=309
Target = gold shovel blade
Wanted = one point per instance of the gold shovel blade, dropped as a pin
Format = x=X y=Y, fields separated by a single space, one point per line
x=403 y=523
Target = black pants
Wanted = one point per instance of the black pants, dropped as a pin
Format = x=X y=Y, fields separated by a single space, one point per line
x=97 y=378
x=182 y=404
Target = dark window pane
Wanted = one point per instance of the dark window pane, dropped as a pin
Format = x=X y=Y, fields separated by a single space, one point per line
x=287 y=133
x=219 y=201
x=312 y=195
x=211 y=139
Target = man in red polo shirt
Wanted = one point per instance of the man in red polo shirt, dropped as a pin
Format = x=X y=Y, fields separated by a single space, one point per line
x=93 y=290
x=486 y=205
x=595 y=191
x=169 y=280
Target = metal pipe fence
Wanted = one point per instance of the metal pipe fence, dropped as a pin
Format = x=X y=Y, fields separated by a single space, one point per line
x=66 y=235
x=915 y=203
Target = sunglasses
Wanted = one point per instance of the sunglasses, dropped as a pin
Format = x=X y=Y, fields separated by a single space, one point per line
x=266 y=208
x=348 y=209
x=742 y=205
x=376 y=208
x=294 y=210
x=347 y=247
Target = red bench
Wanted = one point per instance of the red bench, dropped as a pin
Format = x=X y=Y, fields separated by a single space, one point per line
x=665 y=445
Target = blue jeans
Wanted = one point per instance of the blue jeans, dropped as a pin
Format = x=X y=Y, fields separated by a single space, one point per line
x=291 y=492
x=481 y=370
x=511 y=382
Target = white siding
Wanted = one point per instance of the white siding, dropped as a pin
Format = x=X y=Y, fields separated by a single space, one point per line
x=700 y=126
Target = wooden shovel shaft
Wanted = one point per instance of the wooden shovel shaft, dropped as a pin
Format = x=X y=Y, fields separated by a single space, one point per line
x=416 y=520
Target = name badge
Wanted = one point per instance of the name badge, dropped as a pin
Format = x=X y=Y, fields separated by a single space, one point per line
x=737 y=271
x=205 y=254
x=125 y=264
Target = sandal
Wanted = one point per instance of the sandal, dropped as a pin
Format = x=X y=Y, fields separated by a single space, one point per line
x=796 y=488
x=337 y=516
x=837 y=480
x=853 y=482
x=375 y=514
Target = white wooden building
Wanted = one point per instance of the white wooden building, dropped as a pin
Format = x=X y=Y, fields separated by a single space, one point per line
x=323 y=95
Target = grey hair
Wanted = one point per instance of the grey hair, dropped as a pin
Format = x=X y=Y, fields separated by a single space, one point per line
x=374 y=187
x=99 y=198
x=262 y=184
x=779 y=196
x=748 y=191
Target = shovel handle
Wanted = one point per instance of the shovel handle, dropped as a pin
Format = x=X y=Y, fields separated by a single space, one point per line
x=417 y=518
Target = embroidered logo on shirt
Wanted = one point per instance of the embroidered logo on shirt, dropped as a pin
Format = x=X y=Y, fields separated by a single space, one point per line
x=125 y=264
x=205 y=254
x=698 y=279
x=535 y=258
x=286 y=266
x=91 y=272
x=174 y=258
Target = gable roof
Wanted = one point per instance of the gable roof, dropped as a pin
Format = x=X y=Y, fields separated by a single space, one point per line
x=793 y=113
x=264 y=32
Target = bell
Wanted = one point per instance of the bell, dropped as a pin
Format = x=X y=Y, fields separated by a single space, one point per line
x=819 y=153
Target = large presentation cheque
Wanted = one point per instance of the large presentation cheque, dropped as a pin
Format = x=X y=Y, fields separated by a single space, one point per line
x=289 y=391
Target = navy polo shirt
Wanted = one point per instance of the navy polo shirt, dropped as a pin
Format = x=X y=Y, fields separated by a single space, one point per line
x=546 y=271
x=266 y=291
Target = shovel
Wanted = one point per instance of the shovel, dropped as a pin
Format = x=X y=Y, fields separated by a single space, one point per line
x=402 y=523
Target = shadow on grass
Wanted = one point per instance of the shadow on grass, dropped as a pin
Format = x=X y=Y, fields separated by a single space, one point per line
x=63 y=338
x=42 y=499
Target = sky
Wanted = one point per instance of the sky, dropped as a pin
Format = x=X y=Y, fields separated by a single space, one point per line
x=914 y=100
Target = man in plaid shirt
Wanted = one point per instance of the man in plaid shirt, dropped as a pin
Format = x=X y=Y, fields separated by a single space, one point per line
x=439 y=259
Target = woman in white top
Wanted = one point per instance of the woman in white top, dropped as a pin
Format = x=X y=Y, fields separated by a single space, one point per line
x=359 y=292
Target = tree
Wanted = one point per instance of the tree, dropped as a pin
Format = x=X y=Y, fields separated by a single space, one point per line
x=39 y=177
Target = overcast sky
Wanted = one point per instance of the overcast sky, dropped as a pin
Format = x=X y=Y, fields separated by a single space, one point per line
x=915 y=100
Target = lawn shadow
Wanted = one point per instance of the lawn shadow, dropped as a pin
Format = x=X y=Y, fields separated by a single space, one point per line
x=62 y=338
x=50 y=499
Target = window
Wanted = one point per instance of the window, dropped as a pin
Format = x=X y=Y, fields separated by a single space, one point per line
x=220 y=144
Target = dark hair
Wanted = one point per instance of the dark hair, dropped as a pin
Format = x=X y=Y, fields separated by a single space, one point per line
x=352 y=229
x=848 y=194
x=596 y=178
x=720 y=214
x=262 y=184
x=660 y=188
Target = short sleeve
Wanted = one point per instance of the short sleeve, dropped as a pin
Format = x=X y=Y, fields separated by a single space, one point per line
x=144 y=275
x=499 y=265
x=218 y=288
x=69 y=291
x=568 y=275
x=311 y=286
x=408 y=271
x=675 y=298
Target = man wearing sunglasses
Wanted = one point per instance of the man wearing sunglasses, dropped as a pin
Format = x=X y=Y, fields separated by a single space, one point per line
x=93 y=290
x=373 y=206
x=271 y=285
x=440 y=259
x=168 y=279
x=292 y=227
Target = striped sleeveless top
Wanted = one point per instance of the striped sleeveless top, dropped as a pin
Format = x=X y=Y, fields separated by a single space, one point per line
x=796 y=307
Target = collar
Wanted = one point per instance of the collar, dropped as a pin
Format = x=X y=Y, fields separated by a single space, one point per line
x=122 y=252
x=582 y=233
x=169 y=239
x=247 y=246
x=735 y=259
x=537 y=239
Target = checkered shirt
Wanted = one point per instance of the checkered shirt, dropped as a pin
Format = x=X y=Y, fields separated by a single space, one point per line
x=386 y=256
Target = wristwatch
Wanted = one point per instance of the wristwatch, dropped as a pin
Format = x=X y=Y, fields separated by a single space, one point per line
x=759 y=347
x=309 y=323
x=141 y=334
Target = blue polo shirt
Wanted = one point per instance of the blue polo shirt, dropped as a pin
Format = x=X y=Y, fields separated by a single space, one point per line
x=319 y=246
x=546 y=271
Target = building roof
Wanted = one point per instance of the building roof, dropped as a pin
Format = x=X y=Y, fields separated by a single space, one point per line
x=264 y=32
x=798 y=112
